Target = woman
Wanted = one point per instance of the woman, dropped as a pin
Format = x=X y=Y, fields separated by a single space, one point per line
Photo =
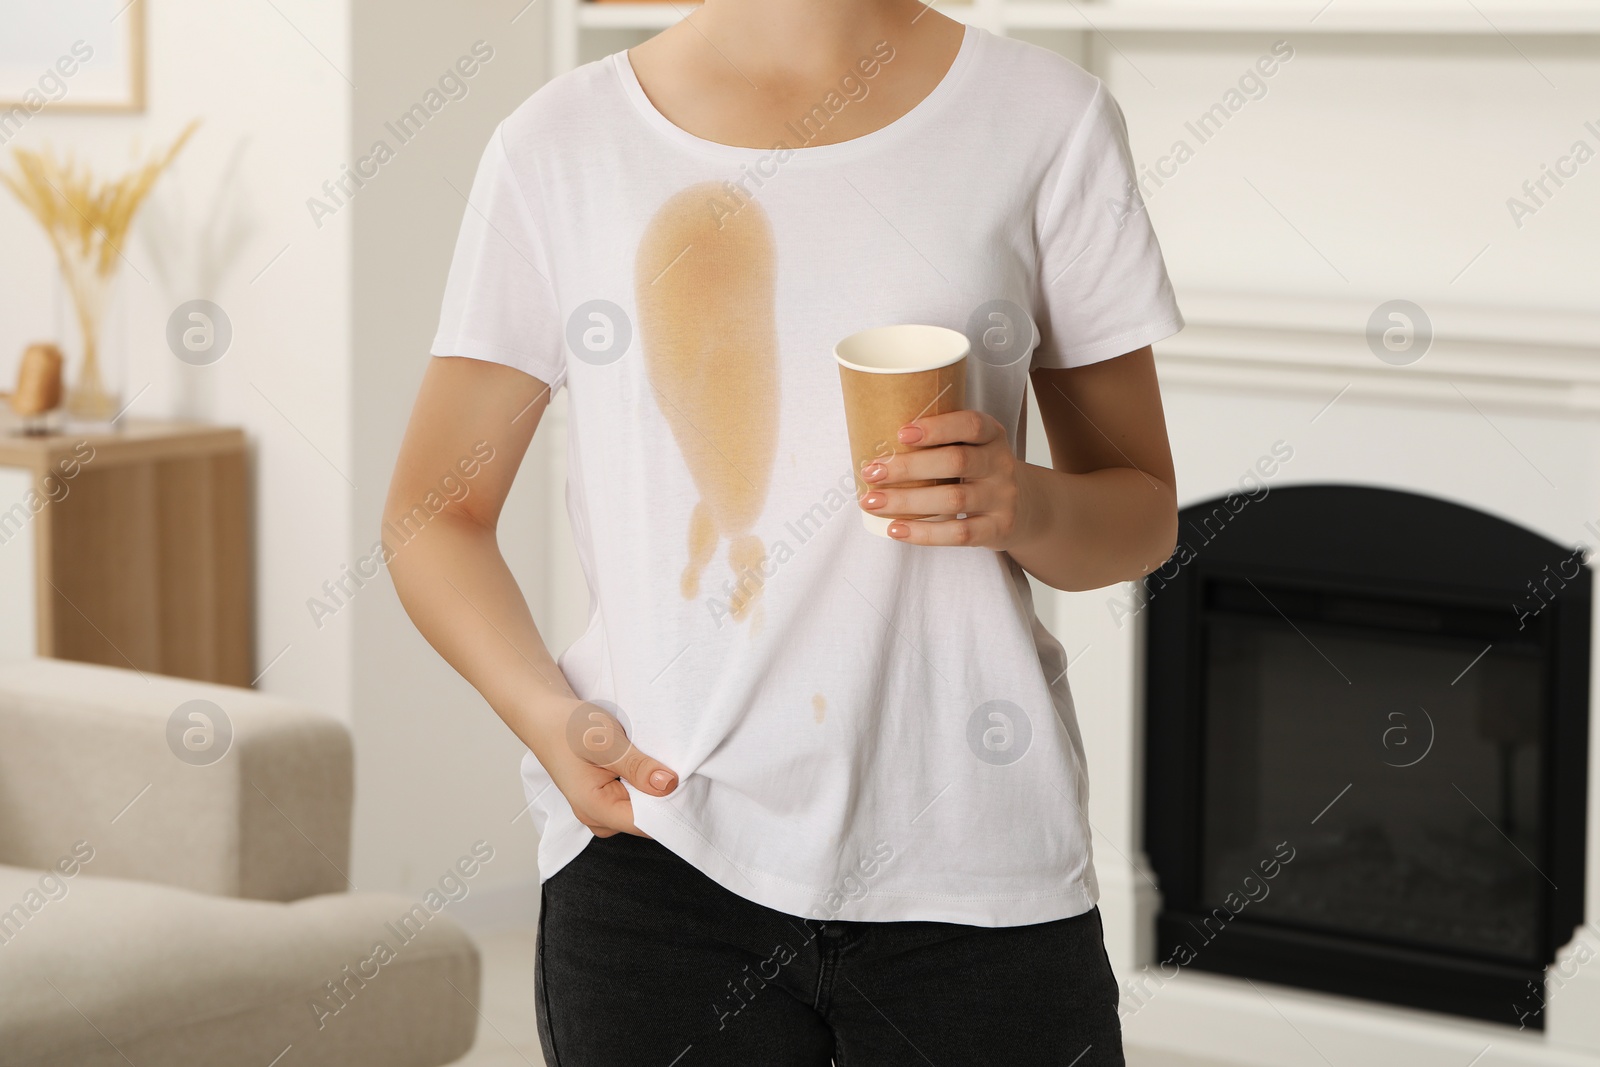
x=818 y=795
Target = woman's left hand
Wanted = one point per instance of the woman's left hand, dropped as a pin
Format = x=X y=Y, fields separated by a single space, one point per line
x=992 y=494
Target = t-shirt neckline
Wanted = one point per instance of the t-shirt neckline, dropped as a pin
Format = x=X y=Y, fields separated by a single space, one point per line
x=816 y=153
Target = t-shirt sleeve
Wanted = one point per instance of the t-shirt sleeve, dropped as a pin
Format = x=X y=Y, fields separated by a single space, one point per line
x=1102 y=287
x=499 y=303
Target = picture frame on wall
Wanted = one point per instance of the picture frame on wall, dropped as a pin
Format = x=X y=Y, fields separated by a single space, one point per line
x=72 y=55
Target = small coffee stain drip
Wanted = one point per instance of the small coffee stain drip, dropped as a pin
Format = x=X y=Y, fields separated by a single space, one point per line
x=819 y=706
x=704 y=289
x=747 y=555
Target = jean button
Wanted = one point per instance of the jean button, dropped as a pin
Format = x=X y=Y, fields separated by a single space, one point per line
x=832 y=930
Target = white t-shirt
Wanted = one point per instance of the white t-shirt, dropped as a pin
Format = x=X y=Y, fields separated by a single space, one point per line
x=863 y=729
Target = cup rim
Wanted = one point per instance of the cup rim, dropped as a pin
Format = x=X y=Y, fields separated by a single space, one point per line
x=944 y=333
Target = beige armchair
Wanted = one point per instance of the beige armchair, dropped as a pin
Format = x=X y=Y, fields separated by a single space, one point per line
x=174 y=890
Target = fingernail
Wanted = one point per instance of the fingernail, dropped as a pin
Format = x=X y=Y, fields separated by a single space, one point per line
x=873 y=500
x=661 y=779
x=873 y=473
x=899 y=529
x=910 y=434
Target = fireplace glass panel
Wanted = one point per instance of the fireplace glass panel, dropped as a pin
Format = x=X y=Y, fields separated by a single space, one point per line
x=1407 y=782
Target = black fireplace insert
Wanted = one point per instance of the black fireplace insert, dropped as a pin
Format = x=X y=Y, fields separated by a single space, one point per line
x=1366 y=737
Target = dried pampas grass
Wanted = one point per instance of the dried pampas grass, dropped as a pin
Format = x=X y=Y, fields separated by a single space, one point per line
x=87 y=221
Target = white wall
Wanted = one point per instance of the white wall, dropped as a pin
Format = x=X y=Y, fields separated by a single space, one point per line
x=436 y=768
x=275 y=125
x=1392 y=155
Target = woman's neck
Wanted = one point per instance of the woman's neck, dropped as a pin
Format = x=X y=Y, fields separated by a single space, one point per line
x=738 y=71
x=784 y=43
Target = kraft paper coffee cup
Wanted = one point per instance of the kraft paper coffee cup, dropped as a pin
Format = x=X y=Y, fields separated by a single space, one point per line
x=892 y=375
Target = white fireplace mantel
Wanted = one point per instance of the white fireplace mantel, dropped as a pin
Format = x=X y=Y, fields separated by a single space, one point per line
x=1544 y=362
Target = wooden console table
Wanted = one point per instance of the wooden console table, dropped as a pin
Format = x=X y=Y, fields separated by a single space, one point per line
x=141 y=555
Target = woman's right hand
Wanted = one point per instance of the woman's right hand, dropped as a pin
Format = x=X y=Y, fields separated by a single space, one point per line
x=468 y=434
x=590 y=766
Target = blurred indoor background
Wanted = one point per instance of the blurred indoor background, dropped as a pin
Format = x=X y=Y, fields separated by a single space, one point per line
x=1381 y=222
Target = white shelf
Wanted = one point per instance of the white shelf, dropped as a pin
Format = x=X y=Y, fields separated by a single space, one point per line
x=657 y=16
x=1340 y=16
x=1242 y=16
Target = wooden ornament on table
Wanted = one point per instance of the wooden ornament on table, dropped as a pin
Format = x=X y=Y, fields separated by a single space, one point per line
x=39 y=381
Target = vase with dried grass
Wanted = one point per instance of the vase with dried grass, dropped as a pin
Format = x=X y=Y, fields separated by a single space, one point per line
x=87 y=221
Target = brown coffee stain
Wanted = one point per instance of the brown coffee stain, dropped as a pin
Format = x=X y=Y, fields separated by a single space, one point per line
x=819 y=706
x=704 y=289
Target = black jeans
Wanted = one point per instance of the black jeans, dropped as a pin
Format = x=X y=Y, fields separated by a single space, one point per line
x=643 y=960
